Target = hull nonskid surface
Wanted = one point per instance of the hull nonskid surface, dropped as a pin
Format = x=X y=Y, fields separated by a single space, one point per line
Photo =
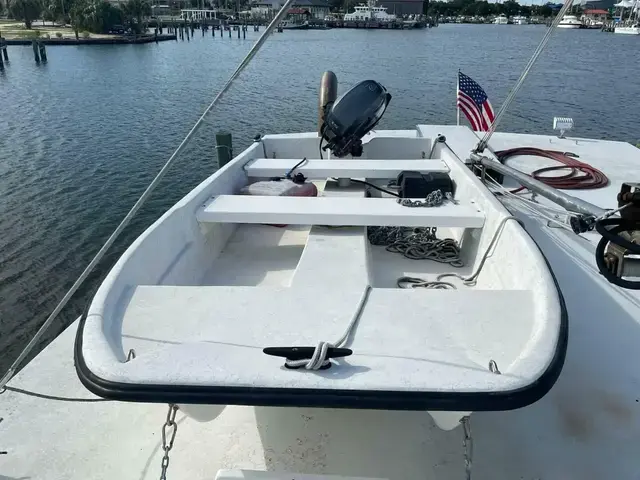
x=305 y=286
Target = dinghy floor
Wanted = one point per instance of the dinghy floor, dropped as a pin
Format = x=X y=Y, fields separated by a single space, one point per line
x=258 y=255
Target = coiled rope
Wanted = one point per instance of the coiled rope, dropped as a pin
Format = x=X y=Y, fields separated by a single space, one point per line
x=418 y=243
x=581 y=175
x=471 y=280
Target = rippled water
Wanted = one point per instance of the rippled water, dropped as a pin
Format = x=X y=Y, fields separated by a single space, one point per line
x=81 y=136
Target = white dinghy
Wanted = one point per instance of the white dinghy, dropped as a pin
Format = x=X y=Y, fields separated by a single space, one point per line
x=380 y=294
x=227 y=273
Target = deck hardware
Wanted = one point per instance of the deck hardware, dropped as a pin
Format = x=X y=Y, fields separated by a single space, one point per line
x=131 y=355
x=493 y=367
x=564 y=124
x=439 y=139
x=300 y=353
x=2 y=452
x=467 y=445
x=169 y=430
x=319 y=357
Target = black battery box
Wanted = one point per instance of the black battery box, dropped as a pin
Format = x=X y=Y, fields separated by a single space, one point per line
x=419 y=185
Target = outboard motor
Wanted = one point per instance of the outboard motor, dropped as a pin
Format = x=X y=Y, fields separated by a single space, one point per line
x=351 y=116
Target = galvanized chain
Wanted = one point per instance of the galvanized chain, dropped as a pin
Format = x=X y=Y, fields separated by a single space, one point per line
x=416 y=244
x=169 y=430
x=433 y=199
x=467 y=445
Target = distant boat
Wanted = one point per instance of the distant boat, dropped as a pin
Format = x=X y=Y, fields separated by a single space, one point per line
x=520 y=20
x=571 y=22
x=629 y=30
x=369 y=11
x=592 y=24
x=630 y=25
x=501 y=20
x=292 y=25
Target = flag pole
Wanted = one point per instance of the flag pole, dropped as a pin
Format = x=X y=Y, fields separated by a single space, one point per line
x=457 y=107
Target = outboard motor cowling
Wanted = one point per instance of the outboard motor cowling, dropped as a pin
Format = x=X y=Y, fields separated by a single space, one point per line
x=352 y=116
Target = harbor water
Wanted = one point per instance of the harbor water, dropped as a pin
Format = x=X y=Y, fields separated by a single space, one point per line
x=82 y=135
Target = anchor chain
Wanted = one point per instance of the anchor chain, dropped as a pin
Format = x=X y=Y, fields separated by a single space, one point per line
x=169 y=430
x=416 y=244
x=433 y=199
x=467 y=445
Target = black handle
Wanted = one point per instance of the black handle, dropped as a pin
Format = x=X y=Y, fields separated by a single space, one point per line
x=300 y=353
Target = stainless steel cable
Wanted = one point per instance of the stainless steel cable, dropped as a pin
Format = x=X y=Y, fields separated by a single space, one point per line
x=57 y=398
x=512 y=94
x=143 y=198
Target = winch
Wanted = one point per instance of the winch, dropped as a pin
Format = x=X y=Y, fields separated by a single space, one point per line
x=618 y=251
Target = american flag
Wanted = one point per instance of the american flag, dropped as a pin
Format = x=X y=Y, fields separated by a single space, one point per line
x=474 y=103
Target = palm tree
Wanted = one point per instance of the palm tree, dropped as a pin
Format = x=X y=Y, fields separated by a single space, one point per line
x=26 y=10
x=77 y=14
x=137 y=9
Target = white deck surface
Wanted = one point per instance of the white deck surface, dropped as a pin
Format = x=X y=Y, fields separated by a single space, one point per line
x=335 y=211
x=223 y=337
x=620 y=161
x=258 y=254
x=255 y=475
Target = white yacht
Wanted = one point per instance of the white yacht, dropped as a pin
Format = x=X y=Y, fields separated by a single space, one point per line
x=633 y=29
x=370 y=11
x=630 y=25
x=520 y=20
x=501 y=20
x=570 y=22
x=332 y=302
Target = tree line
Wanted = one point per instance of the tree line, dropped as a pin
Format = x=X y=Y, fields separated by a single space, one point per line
x=100 y=16
x=485 y=9
x=96 y=16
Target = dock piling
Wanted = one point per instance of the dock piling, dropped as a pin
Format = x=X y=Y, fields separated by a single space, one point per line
x=224 y=148
x=43 y=51
x=3 y=47
x=36 y=55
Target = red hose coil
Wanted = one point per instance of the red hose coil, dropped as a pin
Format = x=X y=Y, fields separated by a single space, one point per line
x=581 y=175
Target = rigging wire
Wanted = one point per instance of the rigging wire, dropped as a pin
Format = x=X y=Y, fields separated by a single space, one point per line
x=143 y=198
x=53 y=397
x=532 y=206
x=482 y=144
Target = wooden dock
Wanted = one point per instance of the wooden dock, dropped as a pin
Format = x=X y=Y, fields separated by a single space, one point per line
x=377 y=25
x=115 y=40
